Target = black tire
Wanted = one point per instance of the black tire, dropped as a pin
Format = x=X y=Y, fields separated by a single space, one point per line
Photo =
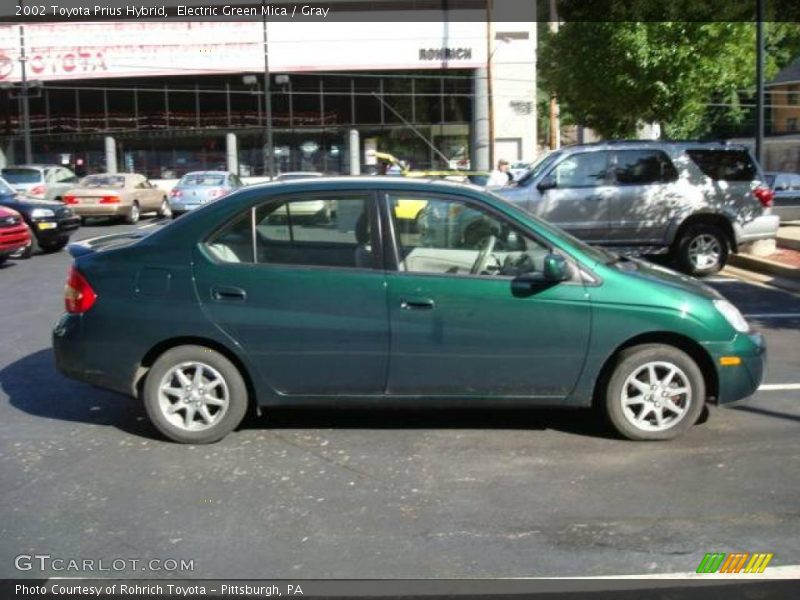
x=133 y=214
x=637 y=358
x=689 y=240
x=54 y=245
x=237 y=394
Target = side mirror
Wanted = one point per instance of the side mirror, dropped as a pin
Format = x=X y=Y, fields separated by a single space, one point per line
x=556 y=268
x=548 y=183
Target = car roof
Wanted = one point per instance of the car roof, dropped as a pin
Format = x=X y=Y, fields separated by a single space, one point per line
x=368 y=181
x=207 y=173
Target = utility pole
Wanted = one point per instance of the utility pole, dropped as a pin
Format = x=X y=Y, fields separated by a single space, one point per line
x=555 y=121
x=267 y=97
x=760 y=81
x=26 y=113
x=489 y=92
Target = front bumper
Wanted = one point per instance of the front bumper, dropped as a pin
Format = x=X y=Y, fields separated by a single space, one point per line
x=742 y=380
x=764 y=227
x=52 y=229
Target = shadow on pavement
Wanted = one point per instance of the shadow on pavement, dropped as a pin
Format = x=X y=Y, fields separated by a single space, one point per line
x=767 y=413
x=34 y=386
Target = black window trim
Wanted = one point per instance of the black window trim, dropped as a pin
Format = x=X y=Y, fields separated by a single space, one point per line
x=614 y=163
x=371 y=198
x=391 y=248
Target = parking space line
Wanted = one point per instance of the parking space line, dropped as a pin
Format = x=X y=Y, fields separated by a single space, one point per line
x=770 y=387
x=148 y=225
x=773 y=315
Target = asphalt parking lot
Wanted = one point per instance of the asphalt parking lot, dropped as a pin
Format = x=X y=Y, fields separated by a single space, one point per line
x=385 y=494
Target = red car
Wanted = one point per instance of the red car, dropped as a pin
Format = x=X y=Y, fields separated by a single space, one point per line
x=14 y=234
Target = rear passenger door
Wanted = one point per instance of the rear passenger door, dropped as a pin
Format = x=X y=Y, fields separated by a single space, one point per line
x=298 y=282
x=645 y=198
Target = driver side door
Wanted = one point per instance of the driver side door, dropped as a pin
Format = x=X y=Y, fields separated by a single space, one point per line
x=459 y=327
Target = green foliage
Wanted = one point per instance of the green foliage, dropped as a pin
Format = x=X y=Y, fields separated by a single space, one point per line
x=613 y=76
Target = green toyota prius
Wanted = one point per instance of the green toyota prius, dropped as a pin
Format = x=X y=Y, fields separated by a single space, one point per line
x=315 y=292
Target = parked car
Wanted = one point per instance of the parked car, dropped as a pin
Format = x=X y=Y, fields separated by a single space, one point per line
x=203 y=318
x=695 y=201
x=43 y=182
x=51 y=223
x=14 y=233
x=787 y=195
x=125 y=195
x=200 y=187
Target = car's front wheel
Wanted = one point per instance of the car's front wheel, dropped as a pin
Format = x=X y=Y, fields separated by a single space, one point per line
x=655 y=392
x=195 y=395
x=702 y=250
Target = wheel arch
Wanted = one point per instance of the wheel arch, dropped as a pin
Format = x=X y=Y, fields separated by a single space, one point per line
x=152 y=355
x=676 y=340
x=705 y=218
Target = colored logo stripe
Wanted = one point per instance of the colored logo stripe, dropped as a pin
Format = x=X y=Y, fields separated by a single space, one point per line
x=711 y=562
x=734 y=562
x=758 y=563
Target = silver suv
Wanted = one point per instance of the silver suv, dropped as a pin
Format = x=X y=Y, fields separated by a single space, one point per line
x=695 y=201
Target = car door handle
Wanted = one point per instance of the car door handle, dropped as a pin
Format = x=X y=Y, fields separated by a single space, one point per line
x=595 y=197
x=417 y=304
x=228 y=294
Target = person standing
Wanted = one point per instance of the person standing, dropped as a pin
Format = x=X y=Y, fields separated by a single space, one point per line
x=499 y=177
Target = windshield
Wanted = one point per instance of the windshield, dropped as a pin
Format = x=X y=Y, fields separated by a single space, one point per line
x=202 y=180
x=539 y=167
x=22 y=175
x=116 y=181
x=6 y=189
x=595 y=253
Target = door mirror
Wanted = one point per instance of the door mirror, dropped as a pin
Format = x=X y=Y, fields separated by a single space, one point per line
x=555 y=268
x=547 y=183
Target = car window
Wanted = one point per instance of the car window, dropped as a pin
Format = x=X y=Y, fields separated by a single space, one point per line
x=780 y=182
x=318 y=231
x=724 y=164
x=98 y=181
x=643 y=167
x=449 y=236
x=19 y=176
x=587 y=169
x=65 y=176
x=202 y=179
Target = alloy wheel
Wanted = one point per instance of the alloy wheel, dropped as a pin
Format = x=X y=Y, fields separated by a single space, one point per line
x=705 y=251
x=656 y=396
x=193 y=396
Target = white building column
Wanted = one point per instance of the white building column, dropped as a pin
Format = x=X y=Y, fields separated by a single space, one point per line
x=231 y=153
x=111 y=154
x=479 y=159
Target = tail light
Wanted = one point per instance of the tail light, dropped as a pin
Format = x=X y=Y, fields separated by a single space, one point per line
x=78 y=294
x=216 y=192
x=765 y=195
x=109 y=200
x=176 y=194
x=38 y=191
x=70 y=200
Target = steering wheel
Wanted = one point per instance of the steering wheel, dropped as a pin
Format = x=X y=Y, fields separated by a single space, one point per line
x=483 y=256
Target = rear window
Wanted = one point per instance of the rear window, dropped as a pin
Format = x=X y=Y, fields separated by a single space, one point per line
x=203 y=180
x=22 y=175
x=103 y=181
x=724 y=165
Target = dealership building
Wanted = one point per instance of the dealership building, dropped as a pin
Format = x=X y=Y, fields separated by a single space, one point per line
x=165 y=97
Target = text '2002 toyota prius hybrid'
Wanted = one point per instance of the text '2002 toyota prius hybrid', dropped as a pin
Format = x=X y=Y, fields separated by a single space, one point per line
x=473 y=303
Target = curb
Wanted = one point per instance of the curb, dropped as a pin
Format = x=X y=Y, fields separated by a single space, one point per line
x=787 y=285
x=764 y=265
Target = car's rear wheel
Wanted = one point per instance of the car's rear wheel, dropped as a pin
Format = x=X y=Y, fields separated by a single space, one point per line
x=655 y=392
x=164 y=210
x=702 y=250
x=133 y=214
x=194 y=395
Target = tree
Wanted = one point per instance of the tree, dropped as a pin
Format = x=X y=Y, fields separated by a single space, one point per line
x=614 y=76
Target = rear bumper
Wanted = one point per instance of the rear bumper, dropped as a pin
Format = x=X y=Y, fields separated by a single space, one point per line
x=761 y=228
x=742 y=380
x=101 y=210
